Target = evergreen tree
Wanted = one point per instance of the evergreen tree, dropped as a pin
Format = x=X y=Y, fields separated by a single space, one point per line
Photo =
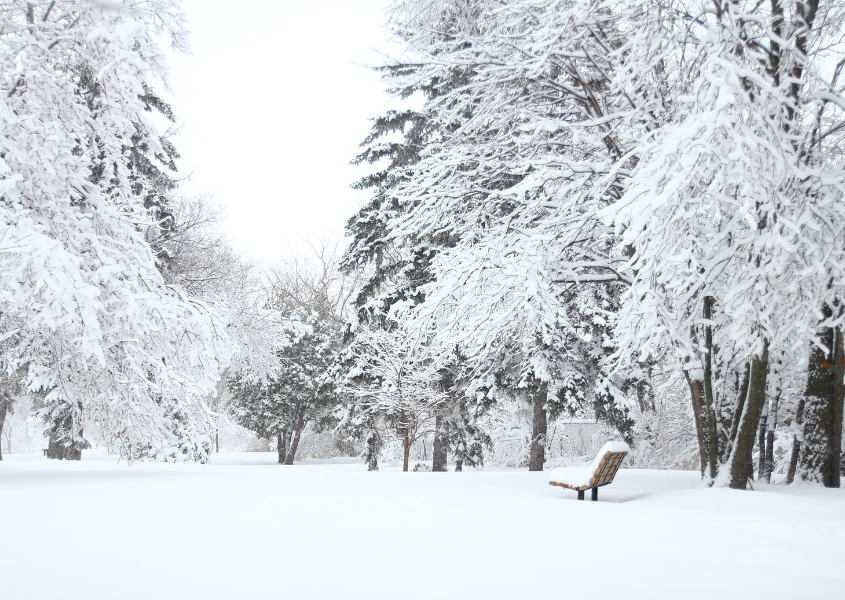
x=396 y=268
x=295 y=394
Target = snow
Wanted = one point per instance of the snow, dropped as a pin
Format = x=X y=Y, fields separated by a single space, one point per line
x=574 y=476
x=578 y=476
x=99 y=530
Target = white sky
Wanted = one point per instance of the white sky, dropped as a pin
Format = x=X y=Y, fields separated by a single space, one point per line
x=273 y=108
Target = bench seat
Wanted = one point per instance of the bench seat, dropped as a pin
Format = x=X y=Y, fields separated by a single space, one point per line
x=601 y=472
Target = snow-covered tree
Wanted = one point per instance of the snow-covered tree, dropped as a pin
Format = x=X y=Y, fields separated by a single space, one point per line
x=103 y=335
x=296 y=393
x=196 y=256
x=393 y=390
x=526 y=141
x=733 y=216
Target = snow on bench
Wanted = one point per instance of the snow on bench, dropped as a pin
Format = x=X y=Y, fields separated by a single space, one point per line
x=600 y=472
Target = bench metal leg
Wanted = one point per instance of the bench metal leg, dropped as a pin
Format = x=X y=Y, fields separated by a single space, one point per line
x=595 y=494
x=580 y=494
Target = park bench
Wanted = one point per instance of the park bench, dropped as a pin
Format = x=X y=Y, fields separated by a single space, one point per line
x=600 y=472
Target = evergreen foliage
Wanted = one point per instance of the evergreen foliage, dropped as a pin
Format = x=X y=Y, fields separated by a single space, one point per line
x=281 y=404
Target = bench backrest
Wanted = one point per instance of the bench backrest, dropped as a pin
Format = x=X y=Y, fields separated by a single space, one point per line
x=608 y=466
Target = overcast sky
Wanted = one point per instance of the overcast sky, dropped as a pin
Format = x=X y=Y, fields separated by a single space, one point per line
x=273 y=108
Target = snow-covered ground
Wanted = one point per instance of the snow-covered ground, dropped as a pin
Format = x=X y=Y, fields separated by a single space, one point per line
x=245 y=528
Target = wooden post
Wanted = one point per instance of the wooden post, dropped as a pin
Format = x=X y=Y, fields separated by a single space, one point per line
x=595 y=494
x=580 y=494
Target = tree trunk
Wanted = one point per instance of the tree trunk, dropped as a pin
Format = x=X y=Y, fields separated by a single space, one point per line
x=835 y=445
x=709 y=402
x=798 y=427
x=538 y=436
x=761 y=442
x=696 y=389
x=406 y=454
x=294 y=444
x=732 y=423
x=286 y=439
x=821 y=449
x=281 y=448
x=439 y=452
x=640 y=397
x=217 y=441
x=768 y=465
x=4 y=407
x=771 y=424
x=748 y=419
x=767 y=454
x=406 y=441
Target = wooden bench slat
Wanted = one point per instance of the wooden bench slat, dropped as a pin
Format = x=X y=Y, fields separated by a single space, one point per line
x=604 y=474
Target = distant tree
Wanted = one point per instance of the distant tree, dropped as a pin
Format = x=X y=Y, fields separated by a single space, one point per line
x=393 y=393
x=282 y=403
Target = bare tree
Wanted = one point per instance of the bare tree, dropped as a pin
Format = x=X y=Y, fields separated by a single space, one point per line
x=394 y=388
x=312 y=280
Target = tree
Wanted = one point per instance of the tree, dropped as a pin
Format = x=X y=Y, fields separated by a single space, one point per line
x=394 y=392
x=720 y=188
x=103 y=335
x=295 y=394
x=495 y=177
x=307 y=299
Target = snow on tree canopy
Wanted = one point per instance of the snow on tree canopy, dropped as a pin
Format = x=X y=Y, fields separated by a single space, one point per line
x=99 y=327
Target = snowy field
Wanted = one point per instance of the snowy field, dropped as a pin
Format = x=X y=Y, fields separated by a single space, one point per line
x=245 y=528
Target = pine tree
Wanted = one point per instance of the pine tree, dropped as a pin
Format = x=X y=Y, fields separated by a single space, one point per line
x=282 y=404
x=397 y=268
x=465 y=189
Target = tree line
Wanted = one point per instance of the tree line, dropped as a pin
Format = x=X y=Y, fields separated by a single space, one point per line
x=626 y=211
x=593 y=193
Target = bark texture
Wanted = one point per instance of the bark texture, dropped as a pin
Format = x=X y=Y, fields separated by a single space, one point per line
x=820 y=455
x=294 y=445
x=696 y=390
x=294 y=434
x=406 y=443
x=538 y=436
x=281 y=448
x=741 y=467
x=771 y=425
x=733 y=421
x=439 y=453
x=709 y=402
x=761 y=442
x=798 y=427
